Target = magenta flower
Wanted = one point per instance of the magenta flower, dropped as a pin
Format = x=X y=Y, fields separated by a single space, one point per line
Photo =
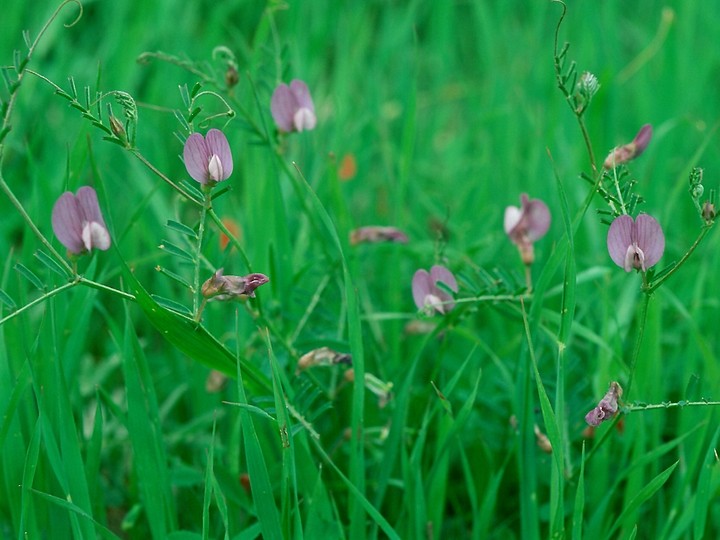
x=292 y=107
x=376 y=233
x=221 y=287
x=626 y=152
x=208 y=159
x=607 y=407
x=635 y=244
x=527 y=224
x=78 y=223
x=426 y=293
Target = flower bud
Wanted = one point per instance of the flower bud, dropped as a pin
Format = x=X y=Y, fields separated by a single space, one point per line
x=631 y=150
x=708 y=212
x=117 y=128
x=231 y=76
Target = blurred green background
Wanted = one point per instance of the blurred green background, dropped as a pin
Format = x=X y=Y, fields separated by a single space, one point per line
x=451 y=111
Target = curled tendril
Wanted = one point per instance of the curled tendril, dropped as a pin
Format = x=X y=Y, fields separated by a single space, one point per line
x=79 y=15
x=54 y=16
x=223 y=53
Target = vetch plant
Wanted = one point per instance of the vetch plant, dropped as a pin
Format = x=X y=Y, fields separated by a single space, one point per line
x=636 y=243
x=428 y=295
x=607 y=408
x=527 y=224
x=225 y=288
x=78 y=223
x=375 y=233
x=626 y=152
x=208 y=159
x=222 y=287
x=292 y=107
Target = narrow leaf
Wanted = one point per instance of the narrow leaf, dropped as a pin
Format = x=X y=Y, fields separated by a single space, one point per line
x=29 y=275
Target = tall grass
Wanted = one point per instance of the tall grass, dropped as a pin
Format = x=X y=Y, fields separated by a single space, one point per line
x=126 y=413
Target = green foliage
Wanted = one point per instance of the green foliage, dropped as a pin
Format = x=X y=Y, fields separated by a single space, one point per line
x=327 y=406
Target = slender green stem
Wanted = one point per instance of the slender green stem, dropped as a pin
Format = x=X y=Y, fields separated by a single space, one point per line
x=101 y=287
x=21 y=68
x=30 y=223
x=135 y=152
x=568 y=96
x=668 y=405
x=38 y=300
x=198 y=251
x=642 y=319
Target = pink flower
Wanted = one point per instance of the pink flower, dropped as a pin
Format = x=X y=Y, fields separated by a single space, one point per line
x=221 y=287
x=377 y=233
x=208 y=159
x=607 y=407
x=635 y=244
x=626 y=152
x=527 y=224
x=427 y=295
x=292 y=107
x=78 y=223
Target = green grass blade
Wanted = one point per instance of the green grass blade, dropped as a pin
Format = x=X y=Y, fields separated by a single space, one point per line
x=146 y=437
x=263 y=499
x=192 y=338
x=643 y=495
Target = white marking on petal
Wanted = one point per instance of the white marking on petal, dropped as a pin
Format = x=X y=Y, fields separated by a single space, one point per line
x=215 y=169
x=94 y=235
x=304 y=119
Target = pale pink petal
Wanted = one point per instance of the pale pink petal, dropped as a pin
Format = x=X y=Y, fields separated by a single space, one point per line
x=537 y=217
x=642 y=139
x=88 y=201
x=196 y=155
x=421 y=287
x=218 y=145
x=650 y=239
x=282 y=107
x=441 y=274
x=619 y=238
x=302 y=95
x=67 y=222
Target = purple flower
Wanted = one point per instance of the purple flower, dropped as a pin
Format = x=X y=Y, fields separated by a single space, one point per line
x=635 y=244
x=222 y=287
x=427 y=295
x=377 y=233
x=78 y=223
x=292 y=107
x=607 y=407
x=626 y=152
x=527 y=224
x=208 y=159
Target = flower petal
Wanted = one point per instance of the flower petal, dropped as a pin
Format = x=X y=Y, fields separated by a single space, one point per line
x=619 y=238
x=95 y=236
x=511 y=219
x=441 y=274
x=89 y=206
x=196 y=155
x=282 y=107
x=421 y=287
x=304 y=119
x=302 y=96
x=218 y=145
x=67 y=222
x=537 y=215
x=650 y=239
x=642 y=139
